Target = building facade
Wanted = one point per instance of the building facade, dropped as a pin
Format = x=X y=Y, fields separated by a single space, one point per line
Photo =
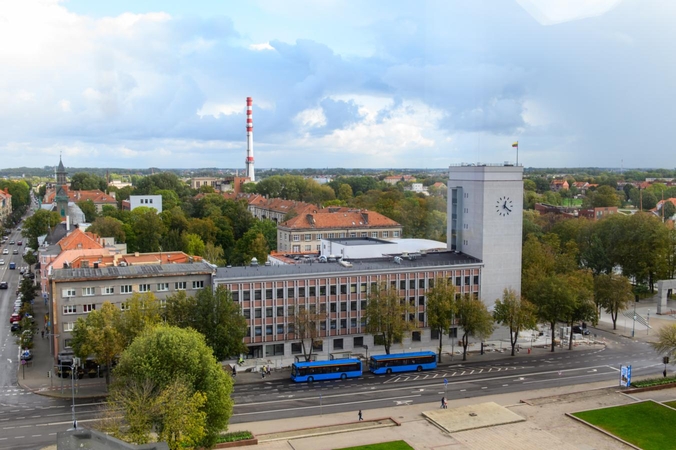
x=149 y=201
x=74 y=293
x=5 y=204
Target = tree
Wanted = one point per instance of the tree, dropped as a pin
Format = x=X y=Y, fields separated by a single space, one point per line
x=214 y=254
x=387 y=315
x=39 y=224
x=666 y=342
x=147 y=228
x=613 y=293
x=89 y=209
x=553 y=300
x=669 y=209
x=108 y=227
x=344 y=192
x=84 y=181
x=28 y=290
x=516 y=313
x=98 y=335
x=192 y=244
x=30 y=258
x=584 y=309
x=474 y=319
x=604 y=196
x=252 y=244
x=441 y=308
x=213 y=314
x=306 y=326
x=142 y=311
x=161 y=356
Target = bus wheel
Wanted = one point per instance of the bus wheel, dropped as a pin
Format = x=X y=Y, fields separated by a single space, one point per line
x=389 y=371
x=343 y=376
x=419 y=369
x=310 y=379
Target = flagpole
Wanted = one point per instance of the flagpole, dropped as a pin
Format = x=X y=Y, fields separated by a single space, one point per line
x=517 y=153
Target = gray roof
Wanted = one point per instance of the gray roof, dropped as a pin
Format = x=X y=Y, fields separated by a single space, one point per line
x=430 y=260
x=133 y=271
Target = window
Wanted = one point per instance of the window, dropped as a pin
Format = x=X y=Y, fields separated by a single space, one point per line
x=352 y=235
x=364 y=234
x=296 y=348
x=124 y=306
x=199 y=284
x=421 y=300
x=88 y=291
x=291 y=310
x=280 y=329
x=280 y=293
x=280 y=311
x=411 y=284
x=322 y=290
x=290 y=328
x=318 y=346
x=353 y=289
x=235 y=296
x=68 y=292
x=395 y=234
x=180 y=285
x=268 y=294
x=467 y=280
x=343 y=324
x=386 y=234
x=363 y=288
x=322 y=325
x=108 y=290
x=290 y=293
x=126 y=289
x=333 y=307
x=313 y=291
x=258 y=331
x=337 y=344
x=257 y=294
x=421 y=283
x=66 y=343
x=358 y=341
x=343 y=288
x=476 y=279
x=268 y=330
x=258 y=313
x=333 y=290
x=296 y=249
x=342 y=235
x=363 y=305
x=89 y=308
x=162 y=287
x=268 y=312
x=331 y=235
x=301 y=292
x=308 y=248
x=70 y=309
x=421 y=318
x=308 y=237
x=333 y=324
x=247 y=313
x=353 y=306
x=343 y=306
x=353 y=323
x=402 y=284
x=457 y=281
x=374 y=234
x=144 y=288
x=415 y=336
x=246 y=295
x=68 y=326
x=319 y=236
x=296 y=238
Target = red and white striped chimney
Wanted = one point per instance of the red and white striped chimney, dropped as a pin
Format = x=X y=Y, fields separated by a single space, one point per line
x=249 y=141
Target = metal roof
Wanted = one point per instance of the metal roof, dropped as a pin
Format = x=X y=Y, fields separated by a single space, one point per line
x=132 y=271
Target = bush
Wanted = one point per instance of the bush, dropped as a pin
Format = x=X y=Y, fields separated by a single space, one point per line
x=653 y=382
x=235 y=436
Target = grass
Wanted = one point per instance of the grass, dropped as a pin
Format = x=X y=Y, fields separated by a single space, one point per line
x=392 y=445
x=653 y=382
x=648 y=425
x=234 y=436
x=672 y=404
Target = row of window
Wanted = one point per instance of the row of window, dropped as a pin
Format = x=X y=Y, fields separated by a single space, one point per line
x=353 y=288
x=307 y=237
x=129 y=289
x=73 y=309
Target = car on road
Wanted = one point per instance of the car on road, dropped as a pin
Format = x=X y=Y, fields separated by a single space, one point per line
x=2 y=262
x=3 y=285
x=5 y=251
x=11 y=242
x=15 y=252
x=19 y=243
x=579 y=330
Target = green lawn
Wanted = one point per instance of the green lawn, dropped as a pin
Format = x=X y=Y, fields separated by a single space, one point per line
x=393 y=445
x=648 y=425
x=672 y=404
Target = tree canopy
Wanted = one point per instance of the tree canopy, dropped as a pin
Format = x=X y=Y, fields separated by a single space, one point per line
x=387 y=316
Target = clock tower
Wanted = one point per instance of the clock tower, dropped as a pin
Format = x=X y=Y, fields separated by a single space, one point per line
x=485 y=220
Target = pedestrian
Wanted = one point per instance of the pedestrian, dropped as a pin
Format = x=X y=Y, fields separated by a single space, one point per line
x=664 y=373
x=443 y=402
x=359 y=415
x=234 y=371
x=43 y=334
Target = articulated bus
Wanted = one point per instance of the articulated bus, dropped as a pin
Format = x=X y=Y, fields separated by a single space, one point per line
x=403 y=362
x=325 y=370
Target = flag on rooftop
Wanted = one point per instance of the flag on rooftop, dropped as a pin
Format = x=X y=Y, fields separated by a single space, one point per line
x=516 y=144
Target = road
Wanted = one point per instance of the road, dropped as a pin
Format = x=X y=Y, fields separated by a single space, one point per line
x=284 y=399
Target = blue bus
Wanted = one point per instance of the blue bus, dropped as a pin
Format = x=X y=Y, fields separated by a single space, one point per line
x=403 y=362
x=325 y=370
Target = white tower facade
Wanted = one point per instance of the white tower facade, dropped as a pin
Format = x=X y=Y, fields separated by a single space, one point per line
x=485 y=220
x=249 y=141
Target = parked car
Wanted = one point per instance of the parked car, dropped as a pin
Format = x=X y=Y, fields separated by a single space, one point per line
x=15 y=327
x=579 y=330
x=26 y=354
x=3 y=285
x=14 y=318
x=2 y=262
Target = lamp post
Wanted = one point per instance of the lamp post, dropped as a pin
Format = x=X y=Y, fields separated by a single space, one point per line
x=633 y=326
x=73 y=374
x=647 y=329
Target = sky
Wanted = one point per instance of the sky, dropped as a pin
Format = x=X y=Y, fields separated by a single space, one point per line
x=337 y=83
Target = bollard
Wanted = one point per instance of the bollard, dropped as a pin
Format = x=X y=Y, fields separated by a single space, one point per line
x=529 y=351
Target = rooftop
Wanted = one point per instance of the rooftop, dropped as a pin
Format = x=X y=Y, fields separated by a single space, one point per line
x=358 y=265
x=134 y=271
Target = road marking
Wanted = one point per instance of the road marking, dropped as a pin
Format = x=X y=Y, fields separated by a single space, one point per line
x=317 y=406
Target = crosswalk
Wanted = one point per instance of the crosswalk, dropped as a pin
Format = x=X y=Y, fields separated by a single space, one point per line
x=448 y=373
x=13 y=392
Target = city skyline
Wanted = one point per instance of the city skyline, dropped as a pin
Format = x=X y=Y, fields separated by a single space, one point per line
x=336 y=84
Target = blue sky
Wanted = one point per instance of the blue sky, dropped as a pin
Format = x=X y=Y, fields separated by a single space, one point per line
x=337 y=83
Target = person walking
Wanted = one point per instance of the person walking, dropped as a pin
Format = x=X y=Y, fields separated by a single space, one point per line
x=359 y=415
x=443 y=401
x=43 y=334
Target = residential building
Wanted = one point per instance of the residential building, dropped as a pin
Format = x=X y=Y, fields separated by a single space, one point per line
x=149 y=201
x=598 y=213
x=558 y=185
x=75 y=292
x=304 y=232
x=220 y=184
x=275 y=209
x=581 y=186
x=660 y=204
x=394 y=179
x=418 y=188
x=5 y=204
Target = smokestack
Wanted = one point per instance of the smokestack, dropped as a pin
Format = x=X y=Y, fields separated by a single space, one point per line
x=249 y=141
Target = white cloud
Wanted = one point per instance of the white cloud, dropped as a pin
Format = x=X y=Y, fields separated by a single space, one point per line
x=311 y=117
x=263 y=46
x=64 y=105
x=550 y=12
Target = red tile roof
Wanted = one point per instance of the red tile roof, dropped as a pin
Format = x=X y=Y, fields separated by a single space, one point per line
x=328 y=218
x=78 y=239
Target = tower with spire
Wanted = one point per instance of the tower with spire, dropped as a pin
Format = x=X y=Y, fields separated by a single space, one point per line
x=61 y=197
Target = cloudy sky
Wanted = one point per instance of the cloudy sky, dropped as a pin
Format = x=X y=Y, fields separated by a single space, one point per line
x=337 y=83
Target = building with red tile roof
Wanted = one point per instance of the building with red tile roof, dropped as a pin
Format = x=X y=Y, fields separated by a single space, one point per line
x=558 y=185
x=98 y=197
x=394 y=179
x=5 y=204
x=304 y=232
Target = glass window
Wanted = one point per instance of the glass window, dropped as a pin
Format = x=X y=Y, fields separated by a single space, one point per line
x=322 y=290
x=257 y=294
x=421 y=283
x=280 y=311
x=467 y=280
x=308 y=237
x=337 y=344
x=333 y=307
x=144 y=288
x=258 y=313
x=296 y=348
x=333 y=290
x=476 y=279
x=268 y=312
x=457 y=281
x=358 y=341
x=109 y=290
x=313 y=291
x=301 y=292
x=246 y=295
x=258 y=331
x=290 y=293
x=411 y=284
x=280 y=292
x=343 y=288
x=179 y=285
x=235 y=296
x=268 y=330
x=343 y=306
x=280 y=329
x=268 y=294
x=247 y=313
x=343 y=324
x=353 y=306
x=402 y=284
x=353 y=288
x=421 y=300
x=198 y=284
x=333 y=324
x=353 y=323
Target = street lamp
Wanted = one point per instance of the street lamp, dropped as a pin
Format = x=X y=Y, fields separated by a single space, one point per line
x=647 y=329
x=73 y=374
x=633 y=326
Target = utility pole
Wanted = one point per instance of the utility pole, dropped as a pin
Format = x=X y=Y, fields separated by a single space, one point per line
x=633 y=327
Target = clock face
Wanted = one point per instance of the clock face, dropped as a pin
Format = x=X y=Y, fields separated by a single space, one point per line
x=504 y=206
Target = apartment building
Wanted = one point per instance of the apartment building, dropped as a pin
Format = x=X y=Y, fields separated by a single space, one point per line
x=5 y=204
x=75 y=292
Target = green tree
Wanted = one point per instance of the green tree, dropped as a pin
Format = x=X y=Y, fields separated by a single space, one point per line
x=148 y=229
x=30 y=258
x=39 y=224
x=584 y=309
x=666 y=342
x=306 y=326
x=27 y=290
x=252 y=244
x=214 y=254
x=215 y=315
x=474 y=319
x=613 y=293
x=170 y=199
x=344 y=192
x=387 y=315
x=142 y=311
x=192 y=244
x=164 y=354
x=668 y=210
x=604 y=196
x=515 y=313
x=98 y=335
x=441 y=308
x=108 y=227
x=554 y=300
x=84 y=181
x=89 y=209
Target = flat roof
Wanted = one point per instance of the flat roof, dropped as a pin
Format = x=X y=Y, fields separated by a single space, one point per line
x=429 y=260
x=133 y=271
x=356 y=241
